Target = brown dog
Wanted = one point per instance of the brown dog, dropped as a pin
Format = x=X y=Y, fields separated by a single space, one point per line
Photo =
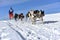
x=21 y=16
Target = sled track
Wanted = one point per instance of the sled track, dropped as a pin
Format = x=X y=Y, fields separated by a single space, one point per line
x=28 y=31
x=16 y=31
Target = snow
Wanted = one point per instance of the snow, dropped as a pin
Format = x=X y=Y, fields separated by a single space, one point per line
x=25 y=30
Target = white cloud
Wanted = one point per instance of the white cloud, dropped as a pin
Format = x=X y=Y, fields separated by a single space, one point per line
x=11 y=2
x=49 y=6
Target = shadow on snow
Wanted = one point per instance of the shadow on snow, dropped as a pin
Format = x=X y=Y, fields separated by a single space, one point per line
x=47 y=22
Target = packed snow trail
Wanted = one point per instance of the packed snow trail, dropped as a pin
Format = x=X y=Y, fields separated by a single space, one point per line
x=28 y=32
x=7 y=33
x=17 y=31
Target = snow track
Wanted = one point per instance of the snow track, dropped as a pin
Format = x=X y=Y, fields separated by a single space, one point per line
x=29 y=32
x=7 y=33
x=10 y=25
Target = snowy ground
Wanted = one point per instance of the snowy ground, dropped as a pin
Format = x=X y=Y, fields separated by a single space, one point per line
x=50 y=30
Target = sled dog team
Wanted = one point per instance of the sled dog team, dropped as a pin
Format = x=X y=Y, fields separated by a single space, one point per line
x=32 y=15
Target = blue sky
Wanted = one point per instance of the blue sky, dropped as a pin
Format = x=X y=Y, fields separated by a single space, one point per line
x=49 y=6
